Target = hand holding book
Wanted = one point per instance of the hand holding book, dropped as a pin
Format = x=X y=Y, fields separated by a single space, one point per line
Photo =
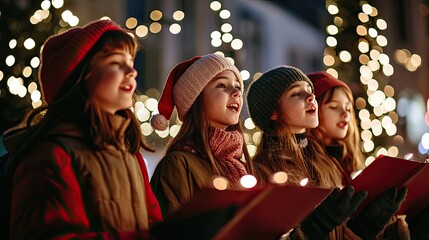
x=374 y=217
x=332 y=212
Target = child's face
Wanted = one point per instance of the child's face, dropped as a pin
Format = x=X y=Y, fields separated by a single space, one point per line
x=223 y=100
x=115 y=81
x=298 y=107
x=335 y=116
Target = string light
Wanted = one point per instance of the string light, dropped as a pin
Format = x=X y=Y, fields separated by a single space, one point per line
x=375 y=110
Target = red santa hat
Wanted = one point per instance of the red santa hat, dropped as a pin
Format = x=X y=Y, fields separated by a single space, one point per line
x=185 y=83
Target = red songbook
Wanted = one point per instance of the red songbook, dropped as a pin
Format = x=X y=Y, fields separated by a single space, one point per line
x=386 y=172
x=264 y=213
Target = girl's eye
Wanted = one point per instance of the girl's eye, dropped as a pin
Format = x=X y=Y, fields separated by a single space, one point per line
x=295 y=94
x=221 y=85
x=238 y=87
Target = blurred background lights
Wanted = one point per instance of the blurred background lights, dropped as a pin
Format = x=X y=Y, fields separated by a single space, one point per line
x=57 y=3
x=155 y=15
x=220 y=183
x=279 y=177
x=178 y=15
x=215 y=5
x=175 y=28
x=248 y=181
x=224 y=14
x=131 y=23
x=245 y=75
x=303 y=182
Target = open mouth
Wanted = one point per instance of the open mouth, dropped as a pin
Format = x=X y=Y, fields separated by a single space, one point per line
x=343 y=124
x=126 y=88
x=311 y=109
x=235 y=107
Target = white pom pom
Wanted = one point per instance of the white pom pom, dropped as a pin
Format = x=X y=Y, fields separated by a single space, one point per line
x=159 y=122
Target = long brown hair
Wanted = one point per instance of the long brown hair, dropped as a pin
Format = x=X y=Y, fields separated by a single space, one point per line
x=352 y=158
x=73 y=104
x=195 y=129
x=278 y=151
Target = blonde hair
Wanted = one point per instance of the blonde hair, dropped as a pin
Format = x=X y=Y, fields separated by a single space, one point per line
x=352 y=158
x=278 y=150
x=195 y=130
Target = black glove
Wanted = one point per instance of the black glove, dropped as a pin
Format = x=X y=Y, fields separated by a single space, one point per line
x=374 y=217
x=332 y=212
x=203 y=226
x=419 y=225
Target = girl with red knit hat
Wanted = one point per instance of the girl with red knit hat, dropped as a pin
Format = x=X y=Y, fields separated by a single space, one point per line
x=337 y=136
x=207 y=92
x=78 y=172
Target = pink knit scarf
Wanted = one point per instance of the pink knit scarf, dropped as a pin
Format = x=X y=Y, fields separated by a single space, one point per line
x=227 y=149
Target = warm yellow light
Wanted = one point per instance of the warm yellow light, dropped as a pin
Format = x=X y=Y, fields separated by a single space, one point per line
x=178 y=15
x=333 y=9
x=155 y=27
x=175 y=28
x=366 y=8
x=163 y=134
x=236 y=44
x=227 y=37
x=363 y=46
x=381 y=40
x=303 y=182
x=328 y=60
x=332 y=29
x=12 y=43
x=389 y=91
x=345 y=56
x=220 y=183
x=381 y=24
x=155 y=15
x=363 y=17
x=279 y=177
x=174 y=130
x=26 y=72
x=151 y=104
x=142 y=31
x=224 y=14
x=29 y=43
x=393 y=151
x=215 y=5
x=131 y=22
x=331 y=41
x=251 y=149
x=248 y=181
x=245 y=75
x=146 y=129
x=226 y=28
x=361 y=30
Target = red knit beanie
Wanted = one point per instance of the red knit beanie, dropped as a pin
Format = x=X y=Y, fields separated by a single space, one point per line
x=63 y=52
x=185 y=83
x=324 y=81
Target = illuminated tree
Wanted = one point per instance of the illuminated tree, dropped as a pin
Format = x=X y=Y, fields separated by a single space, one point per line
x=355 y=54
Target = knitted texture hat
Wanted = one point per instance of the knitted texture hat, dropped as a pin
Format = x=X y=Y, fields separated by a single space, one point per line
x=185 y=83
x=264 y=93
x=63 y=52
x=323 y=81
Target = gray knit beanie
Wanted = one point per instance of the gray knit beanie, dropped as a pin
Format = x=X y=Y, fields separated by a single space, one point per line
x=264 y=93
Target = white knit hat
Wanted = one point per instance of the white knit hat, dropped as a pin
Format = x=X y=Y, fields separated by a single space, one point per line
x=185 y=83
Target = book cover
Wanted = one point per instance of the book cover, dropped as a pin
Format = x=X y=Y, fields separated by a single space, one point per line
x=264 y=213
x=386 y=172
